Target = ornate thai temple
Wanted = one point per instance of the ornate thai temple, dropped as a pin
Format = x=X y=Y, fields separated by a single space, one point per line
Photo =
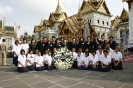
x=120 y=24
x=8 y=33
x=60 y=25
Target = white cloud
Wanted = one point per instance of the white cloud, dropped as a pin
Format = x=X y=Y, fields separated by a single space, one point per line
x=5 y=10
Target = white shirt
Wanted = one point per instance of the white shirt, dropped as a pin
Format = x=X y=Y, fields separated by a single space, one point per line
x=30 y=58
x=106 y=60
x=25 y=47
x=117 y=56
x=45 y=57
x=74 y=55
x=94 y=59
x=86 y=60
x=39 y=60
x=16 y=49
x=80 y=60
x=48 y=59
x=100 y=55
x=21 y=59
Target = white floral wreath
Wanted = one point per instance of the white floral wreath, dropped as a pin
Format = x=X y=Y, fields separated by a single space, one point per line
x=63 y=59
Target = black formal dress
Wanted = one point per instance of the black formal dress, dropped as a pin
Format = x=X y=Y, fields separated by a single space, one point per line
x=88 y=44
x=103 y=43
x=32 y=47
x=81 y=45
x=66 y=46
x=50 y=46
x=60 y=45
x=41 y=47
x=74 y=45
x=112 y=44
x=95 y=45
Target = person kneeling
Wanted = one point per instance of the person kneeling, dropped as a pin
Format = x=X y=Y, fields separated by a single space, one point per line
x=93 y=64
x=22 y=62
x=105 y=62
x=79 y=61
x=39 y=61
x=48 y=61
x=30 y=61
x=117 y=58
x=86 y=61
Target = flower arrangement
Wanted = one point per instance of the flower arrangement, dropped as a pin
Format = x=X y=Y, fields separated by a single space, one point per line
x=63 y=59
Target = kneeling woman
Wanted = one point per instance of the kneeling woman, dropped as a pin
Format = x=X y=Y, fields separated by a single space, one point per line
x=79 y=61
x=48 y=60
x=22 y=62
x=93 y=64
x=117 y=58
x=30 y=61
x=39 y=62
x=105 y=62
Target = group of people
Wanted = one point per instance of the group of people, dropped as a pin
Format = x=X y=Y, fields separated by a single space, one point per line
x=94 y=55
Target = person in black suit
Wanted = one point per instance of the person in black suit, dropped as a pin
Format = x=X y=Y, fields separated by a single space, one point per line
x=66 y=44
x=112 y=43
x=41 y=46
x=69 y=41
x=95 y=43
x=45 y=42
x=73 y=45
x=81 y=44
x=77 y=40
x=32 y=46
x=58 y=43
x=88 y=43
x=49 y=44
x=53 y=41
x=103 y=41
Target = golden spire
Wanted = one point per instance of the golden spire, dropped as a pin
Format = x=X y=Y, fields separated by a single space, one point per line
x=79 y=6
x=58 y=8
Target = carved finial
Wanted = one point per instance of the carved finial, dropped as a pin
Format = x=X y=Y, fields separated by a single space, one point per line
x=79 y=6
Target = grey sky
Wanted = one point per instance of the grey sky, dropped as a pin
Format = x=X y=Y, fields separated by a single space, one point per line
x=28 y=13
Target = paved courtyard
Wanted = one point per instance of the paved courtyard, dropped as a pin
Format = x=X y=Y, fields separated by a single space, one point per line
x=71 y=78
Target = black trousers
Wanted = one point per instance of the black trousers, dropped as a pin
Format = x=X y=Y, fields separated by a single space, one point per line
x=118 y=67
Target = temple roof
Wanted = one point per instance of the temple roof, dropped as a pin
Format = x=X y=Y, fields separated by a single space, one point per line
x=95 y=6
x=59 y=15
x=124 y=14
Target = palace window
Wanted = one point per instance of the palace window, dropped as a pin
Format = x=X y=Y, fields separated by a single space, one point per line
x=107 y=23
x=90 y=21
x=103 y=22
x=98 y=21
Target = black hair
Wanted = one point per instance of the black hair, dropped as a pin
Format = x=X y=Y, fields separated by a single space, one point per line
x=22 y=50
x=24 y=39
x=88 y=37
x=53 y=36
x=16 y=41
x=32 y=40
x=30 y=50
x=111 y=37
x=93 y=51
x=87 y=53
x=3 y=40
x=105 y=51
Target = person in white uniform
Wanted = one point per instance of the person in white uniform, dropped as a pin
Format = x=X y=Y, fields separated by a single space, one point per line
x=86 y=61
x=48 y=61
x=25 y=46
x=93 y=64
x=75 y=57
x=45 y=56
x=105 y=62
x=39 y=62
x=30 y=60
x=16 y=51
x=117 y=59
x=22 y=67
x=79 y=61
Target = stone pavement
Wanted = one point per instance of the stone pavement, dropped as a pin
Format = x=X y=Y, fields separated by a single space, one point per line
x=71 y=78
